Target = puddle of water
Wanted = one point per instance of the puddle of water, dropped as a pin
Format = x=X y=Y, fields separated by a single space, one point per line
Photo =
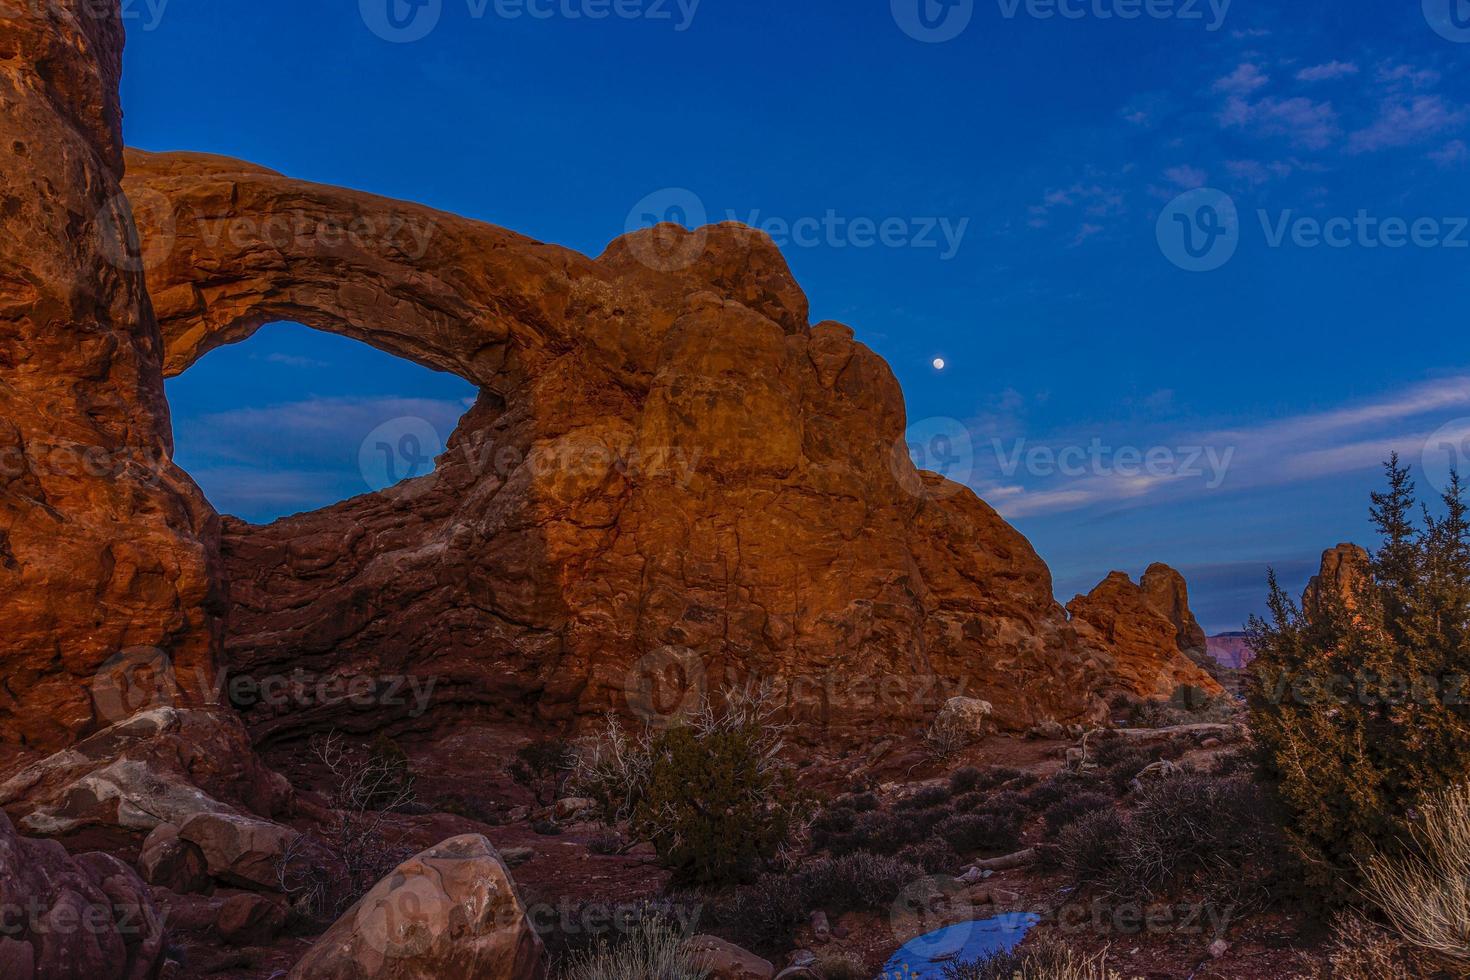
x=925 y=957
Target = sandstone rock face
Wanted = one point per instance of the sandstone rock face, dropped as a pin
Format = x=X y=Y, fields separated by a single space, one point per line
x=1143 y=628
x=105 y=545
x=83 y=918
x=172 y=863
x=1166 y=590
x=450 y=913
x=666 y=462
x=1342 y=572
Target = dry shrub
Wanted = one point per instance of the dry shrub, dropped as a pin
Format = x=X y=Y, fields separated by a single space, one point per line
x=655 y=949
x=1424 y=892
x=1047 y=960
x=1361 y=950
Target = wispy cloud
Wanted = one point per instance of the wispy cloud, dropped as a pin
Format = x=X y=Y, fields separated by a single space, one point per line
x=1452 y=154
x=1405 y=121
x=1244 y=80
x=1306 y=123
x=1327 y=72
x=1295 y=449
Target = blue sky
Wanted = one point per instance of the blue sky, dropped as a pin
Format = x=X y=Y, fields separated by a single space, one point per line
x=1117 y=407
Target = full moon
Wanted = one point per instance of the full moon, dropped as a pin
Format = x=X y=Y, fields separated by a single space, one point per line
x=939 y=364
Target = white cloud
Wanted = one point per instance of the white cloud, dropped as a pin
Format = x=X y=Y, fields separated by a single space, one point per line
x=1244 y=80
x=1402 y=122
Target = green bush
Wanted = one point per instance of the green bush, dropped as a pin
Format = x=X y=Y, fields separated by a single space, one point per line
x=1358 y=703
x=714 y=807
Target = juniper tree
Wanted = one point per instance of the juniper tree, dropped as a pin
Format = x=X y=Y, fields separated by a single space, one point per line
x=1358 y=704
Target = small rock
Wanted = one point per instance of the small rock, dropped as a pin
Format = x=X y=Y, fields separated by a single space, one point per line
x=514 y=857
x=1002 y=895
x=726 y=961
x=248 y=919
x=572 y=806
x=517 y=813
x=1211 y=743
x=971 y=876
x=1219 y=948
x=803 y=958
x=821 y=928
x=1047 y=729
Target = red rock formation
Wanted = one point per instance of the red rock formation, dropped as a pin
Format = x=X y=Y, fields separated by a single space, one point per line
x=104 y=544
x=1144 y=629
x=660 y=456
x=1341 y=573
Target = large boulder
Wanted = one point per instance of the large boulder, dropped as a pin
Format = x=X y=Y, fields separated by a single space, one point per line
x=83 y=918
x=449 y=913
x=170 y=862
x=240 y=850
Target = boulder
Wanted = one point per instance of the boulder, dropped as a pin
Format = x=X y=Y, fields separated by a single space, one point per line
x=726 y=961
x=1341 y=573
x=74 y=918
x=238 y=849
x=968 y=717
x=248 y=919
x=449 y=913
x=573 y=806
x=169 y=862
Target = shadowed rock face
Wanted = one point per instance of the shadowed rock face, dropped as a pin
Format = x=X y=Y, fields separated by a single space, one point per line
x=664 y=454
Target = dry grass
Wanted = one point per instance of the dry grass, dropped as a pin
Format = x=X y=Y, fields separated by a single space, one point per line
x=1425 y=893
x=1047 y=960
x=655 y=950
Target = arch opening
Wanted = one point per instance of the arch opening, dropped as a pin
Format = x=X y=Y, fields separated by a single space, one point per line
x=291 y=420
